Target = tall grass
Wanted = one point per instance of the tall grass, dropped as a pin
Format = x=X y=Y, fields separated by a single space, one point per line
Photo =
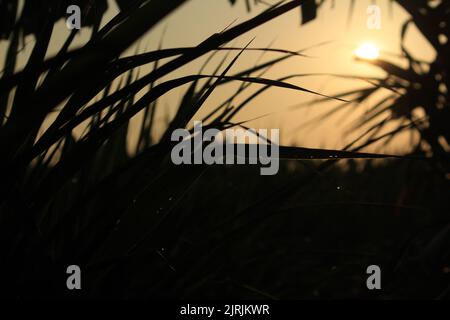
x=83 y=199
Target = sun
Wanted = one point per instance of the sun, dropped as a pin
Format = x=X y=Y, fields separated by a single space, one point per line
x=368 y=51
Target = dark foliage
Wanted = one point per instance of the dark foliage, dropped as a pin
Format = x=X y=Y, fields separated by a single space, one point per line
x=142 y=227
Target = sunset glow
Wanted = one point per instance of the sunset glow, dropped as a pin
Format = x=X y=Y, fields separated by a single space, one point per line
x=368 y=51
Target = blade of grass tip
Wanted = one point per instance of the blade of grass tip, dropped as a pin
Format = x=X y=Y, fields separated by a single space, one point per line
x=384 y=85
x=211 y=88
x=189 y=99
x=243 y=86
x=260 y=67
x=255 y=95
x=228 y=26
x=226 y=105
x=120 y=17
x=281 y=84
x=321 y=100
x=215 y=72
x=357 y=100
x=227 y=125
